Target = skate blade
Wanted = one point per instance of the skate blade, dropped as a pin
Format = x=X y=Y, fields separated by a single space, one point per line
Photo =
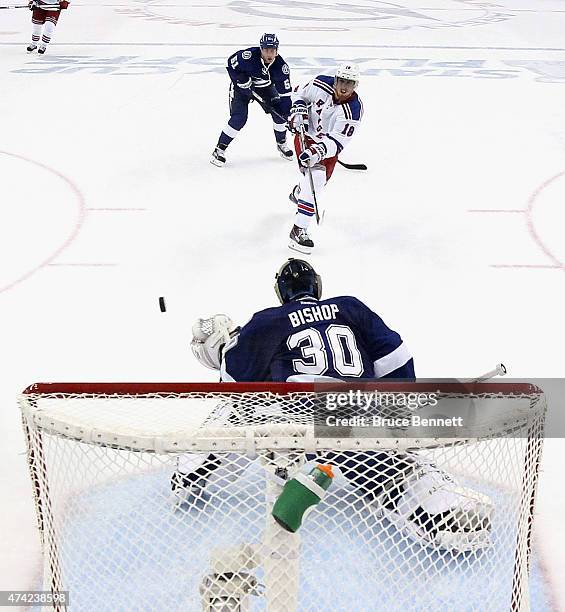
x=298 y=247
x=455 y=544
x=287 y=157
x=217 y=162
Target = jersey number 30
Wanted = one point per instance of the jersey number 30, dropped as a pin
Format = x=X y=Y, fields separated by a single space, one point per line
x=345 y=356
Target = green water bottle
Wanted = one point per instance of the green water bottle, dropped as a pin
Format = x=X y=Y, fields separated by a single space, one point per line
x=301 y=494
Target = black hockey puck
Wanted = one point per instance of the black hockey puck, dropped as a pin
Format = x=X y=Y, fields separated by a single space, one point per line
x=162 y=306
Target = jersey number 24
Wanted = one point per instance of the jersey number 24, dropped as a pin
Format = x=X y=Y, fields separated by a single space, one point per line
x=345 y=357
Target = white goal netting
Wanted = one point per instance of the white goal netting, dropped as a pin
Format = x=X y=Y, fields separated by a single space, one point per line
x=159 y=497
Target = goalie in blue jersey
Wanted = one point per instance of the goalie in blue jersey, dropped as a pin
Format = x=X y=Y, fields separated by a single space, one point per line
x=308 y=338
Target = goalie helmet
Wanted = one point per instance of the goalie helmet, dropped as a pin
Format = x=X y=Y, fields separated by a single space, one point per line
x=295 y=279
x=269 y=41
x=349 y=72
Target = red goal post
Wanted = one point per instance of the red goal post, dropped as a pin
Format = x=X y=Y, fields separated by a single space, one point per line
x=116 y=446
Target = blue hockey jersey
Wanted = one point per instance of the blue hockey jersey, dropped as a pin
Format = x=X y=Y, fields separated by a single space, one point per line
x=247 y=68
x=306 y=339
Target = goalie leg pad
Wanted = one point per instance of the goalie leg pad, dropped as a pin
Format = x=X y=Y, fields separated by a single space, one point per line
x=431 y=507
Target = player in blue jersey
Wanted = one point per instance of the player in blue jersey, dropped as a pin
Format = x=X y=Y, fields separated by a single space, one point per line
x=310 y=338
x=305 y=338
x=257 y=74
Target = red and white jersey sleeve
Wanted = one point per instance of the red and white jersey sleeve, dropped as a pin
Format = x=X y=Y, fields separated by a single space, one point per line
x=330 y=123
x=48 y=5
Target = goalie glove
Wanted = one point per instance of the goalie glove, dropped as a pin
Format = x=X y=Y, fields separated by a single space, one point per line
x=298 y=116
x=209 y=337
x=313 y=154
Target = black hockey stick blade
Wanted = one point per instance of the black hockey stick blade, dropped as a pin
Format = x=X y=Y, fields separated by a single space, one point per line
x=352 y=166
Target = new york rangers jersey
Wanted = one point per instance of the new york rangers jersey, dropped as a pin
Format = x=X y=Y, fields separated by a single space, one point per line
x=339 y=338
x=330 y=122
x=247 y=69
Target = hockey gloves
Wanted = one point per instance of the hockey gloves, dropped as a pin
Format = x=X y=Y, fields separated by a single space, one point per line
x=63 y=4
x=268 y=97
x=298 y=116
x=313 y=154
x=244 y=87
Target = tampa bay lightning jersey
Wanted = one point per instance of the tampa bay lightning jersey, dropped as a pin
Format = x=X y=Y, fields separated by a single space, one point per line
x=307 y=339
x=247 y=64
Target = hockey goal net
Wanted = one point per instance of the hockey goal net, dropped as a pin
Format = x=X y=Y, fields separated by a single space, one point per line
x=160 y=496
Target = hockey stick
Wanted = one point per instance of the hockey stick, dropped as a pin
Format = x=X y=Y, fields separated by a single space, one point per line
x=500 y=370
x=352 y=166
x=272 y=110
x=15 y=6
x=302 y=137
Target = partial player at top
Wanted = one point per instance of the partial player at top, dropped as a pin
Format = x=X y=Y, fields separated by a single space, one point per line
x=326 y=113
x=44 y=17
x=261 y=74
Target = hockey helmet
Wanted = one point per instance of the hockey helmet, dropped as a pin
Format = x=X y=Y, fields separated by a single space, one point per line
x=295 y=279
x=269 y=41
x=349 y=72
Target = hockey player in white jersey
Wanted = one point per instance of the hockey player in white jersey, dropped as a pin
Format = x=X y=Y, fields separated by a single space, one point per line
x=329 y=111
x=296 y=341
x=44 y=17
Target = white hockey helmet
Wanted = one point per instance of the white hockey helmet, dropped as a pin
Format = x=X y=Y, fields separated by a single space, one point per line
x=348 y=71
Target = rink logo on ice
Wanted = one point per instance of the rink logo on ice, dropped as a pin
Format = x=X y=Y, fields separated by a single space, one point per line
x=308 y=15
x=138 y=65
x=321 y=16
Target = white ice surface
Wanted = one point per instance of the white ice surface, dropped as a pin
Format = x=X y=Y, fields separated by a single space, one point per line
x=108 y=199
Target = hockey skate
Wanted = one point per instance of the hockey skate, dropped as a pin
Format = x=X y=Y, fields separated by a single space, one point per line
x=293 y=196
x=188 y=490
x=284 y=150
x=42 y=49
x=188 y=487
x=427 y=506
x=31 y=47
x=218 y=157
x=300 y=240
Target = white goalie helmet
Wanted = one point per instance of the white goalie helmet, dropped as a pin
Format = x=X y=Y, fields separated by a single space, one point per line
x=209 y=337
x=348 y=71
